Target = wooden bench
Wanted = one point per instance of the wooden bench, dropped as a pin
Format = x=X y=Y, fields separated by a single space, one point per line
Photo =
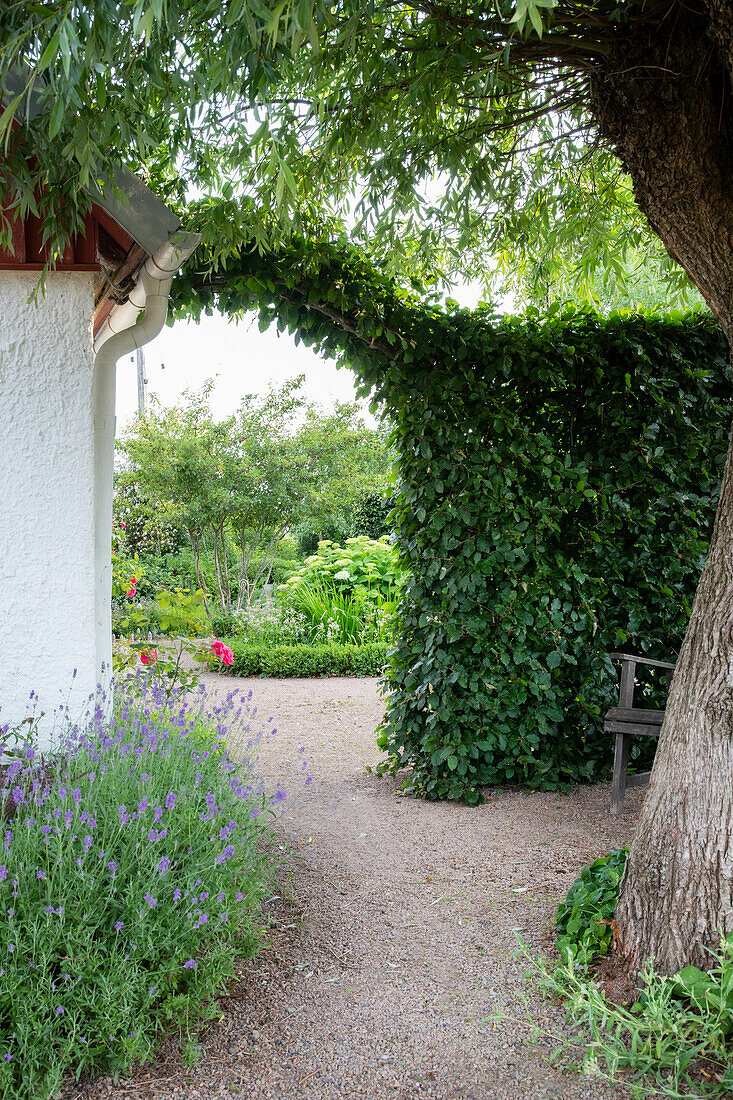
x=628 y=721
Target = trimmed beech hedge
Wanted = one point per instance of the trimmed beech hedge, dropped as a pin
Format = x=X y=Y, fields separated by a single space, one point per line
x=556 y=504
x=558 y=485
x=305 y=660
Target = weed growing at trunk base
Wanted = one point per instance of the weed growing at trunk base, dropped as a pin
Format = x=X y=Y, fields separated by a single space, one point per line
x=675 y=1040
x=131 y=874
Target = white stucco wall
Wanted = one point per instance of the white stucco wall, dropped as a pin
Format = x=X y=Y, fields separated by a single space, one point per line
x=49 y=625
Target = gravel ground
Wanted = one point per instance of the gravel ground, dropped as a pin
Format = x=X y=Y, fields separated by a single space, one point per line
x=392 y=940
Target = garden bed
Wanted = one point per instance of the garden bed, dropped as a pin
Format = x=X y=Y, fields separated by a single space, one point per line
x=133 y=869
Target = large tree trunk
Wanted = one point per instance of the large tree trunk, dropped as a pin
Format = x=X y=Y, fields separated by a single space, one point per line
x=663 y=99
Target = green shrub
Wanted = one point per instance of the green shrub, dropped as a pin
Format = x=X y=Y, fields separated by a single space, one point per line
x=311 y=532
x=372 y=513
x=557 y=493
x=223 y=623
x=131 y=880
x=330 y=659
x=366 y=566
x=583 y=918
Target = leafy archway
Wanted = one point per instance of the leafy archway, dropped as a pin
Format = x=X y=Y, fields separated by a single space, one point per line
x=558 y=481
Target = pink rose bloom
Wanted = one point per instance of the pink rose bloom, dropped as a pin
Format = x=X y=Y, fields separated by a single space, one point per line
x=123 y=525
x=223 y=652
x=148 y=656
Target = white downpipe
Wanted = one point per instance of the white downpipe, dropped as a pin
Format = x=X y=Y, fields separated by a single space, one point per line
x=130 y=325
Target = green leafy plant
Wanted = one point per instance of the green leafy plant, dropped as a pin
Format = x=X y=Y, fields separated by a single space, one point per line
x=354 y=616
x=584 y=918
x=371 y=568
x=182 y=614
x=674 y=1041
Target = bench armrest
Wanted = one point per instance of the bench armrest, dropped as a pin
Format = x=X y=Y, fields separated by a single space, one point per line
x=642 y=660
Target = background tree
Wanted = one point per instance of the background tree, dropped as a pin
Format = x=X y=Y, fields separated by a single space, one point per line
x=353 y=463
x=433 y=123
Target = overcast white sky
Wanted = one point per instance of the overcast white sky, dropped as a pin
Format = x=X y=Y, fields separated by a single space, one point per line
x=240 y=358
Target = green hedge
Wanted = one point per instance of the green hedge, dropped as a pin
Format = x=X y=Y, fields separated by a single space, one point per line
x=557 y=486
x=556 y=503
x=305 y=660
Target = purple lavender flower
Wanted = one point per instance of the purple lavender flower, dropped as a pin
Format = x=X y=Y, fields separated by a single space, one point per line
x=119 y=925
x=164 y=865
x=59 y=1010
x=112 y=866
x=170 y=800
x=189 y=965
x=152 y=902
x=122 y=811
x=3 y=873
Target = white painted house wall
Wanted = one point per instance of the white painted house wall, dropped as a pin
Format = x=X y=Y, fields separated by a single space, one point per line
x=49 y=583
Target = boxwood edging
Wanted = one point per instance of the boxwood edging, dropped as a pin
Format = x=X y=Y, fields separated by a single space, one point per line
x=305 y=660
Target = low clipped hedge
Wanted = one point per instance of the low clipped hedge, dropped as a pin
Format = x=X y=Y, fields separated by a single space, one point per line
x=333 y=659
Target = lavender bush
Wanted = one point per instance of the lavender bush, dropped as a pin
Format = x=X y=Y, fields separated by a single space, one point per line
x=132 y=866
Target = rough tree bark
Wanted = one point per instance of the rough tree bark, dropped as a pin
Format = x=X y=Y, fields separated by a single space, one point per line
x=663 y=98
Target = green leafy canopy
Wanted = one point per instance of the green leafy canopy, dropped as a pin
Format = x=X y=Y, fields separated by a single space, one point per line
x=453 y=140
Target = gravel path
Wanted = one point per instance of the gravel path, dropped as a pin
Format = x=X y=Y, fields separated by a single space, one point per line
x=393 y=936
